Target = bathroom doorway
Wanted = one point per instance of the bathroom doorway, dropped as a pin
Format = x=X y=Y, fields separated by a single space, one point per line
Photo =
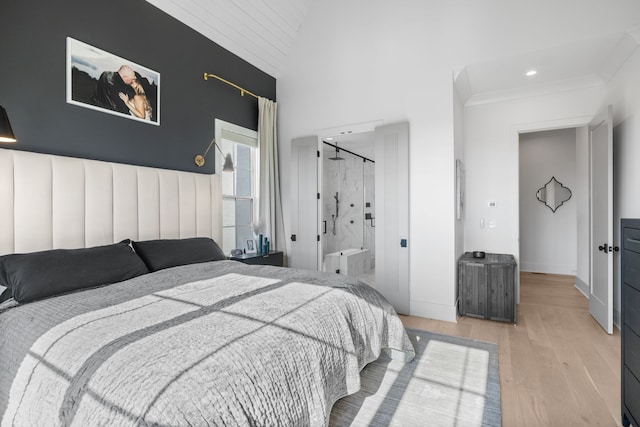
x=348 y=205
x=384 y=229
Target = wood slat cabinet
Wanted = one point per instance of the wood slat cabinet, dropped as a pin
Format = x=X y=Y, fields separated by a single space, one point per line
x=630 y=272
x=486 y=287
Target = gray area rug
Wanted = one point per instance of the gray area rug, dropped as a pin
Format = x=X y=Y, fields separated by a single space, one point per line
x=451 y=382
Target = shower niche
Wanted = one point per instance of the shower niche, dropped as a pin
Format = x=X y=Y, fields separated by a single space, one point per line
x=348 y=206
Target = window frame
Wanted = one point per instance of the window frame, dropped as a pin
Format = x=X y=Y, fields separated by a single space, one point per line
x=231 y=135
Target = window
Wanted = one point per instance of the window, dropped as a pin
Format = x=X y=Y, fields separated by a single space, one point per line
x=240 y=187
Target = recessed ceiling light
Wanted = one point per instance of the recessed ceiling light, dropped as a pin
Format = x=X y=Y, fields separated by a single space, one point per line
x=531 y=73
x=329 y=139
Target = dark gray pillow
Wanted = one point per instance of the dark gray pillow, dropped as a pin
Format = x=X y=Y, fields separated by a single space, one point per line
x=165 y=253
x=42 y=274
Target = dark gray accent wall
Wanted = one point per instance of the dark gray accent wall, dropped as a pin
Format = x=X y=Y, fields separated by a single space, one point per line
x=33 y=82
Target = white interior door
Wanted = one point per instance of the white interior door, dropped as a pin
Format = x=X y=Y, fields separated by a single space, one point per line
x=392 y=214
x=304 y=204
x=601 y=156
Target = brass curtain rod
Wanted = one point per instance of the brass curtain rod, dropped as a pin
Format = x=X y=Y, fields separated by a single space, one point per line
x=241 y=89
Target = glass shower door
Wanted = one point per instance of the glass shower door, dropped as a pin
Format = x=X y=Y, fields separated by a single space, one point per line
x=343 y=211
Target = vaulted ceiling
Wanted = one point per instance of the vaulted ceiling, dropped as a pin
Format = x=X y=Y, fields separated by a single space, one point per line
x=260 y=32
x=263 y=32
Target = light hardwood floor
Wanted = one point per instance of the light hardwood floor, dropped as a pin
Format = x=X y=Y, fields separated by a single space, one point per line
x=557 y=366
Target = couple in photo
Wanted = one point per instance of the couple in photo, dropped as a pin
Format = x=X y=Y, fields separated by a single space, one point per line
x=123 y=91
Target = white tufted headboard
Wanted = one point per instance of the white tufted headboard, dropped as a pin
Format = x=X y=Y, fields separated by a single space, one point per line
x=51 y=202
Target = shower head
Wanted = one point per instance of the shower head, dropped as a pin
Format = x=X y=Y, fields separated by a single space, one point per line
x=337 y=156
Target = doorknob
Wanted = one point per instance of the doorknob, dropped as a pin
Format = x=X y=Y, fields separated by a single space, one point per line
x=608 y=248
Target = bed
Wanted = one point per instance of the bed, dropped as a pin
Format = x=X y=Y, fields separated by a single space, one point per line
x=169 y=332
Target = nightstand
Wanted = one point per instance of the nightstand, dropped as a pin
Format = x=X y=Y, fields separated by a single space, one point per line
x=487 y=287
x=272 y=258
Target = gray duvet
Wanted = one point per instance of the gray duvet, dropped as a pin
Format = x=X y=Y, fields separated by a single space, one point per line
x=218 y=343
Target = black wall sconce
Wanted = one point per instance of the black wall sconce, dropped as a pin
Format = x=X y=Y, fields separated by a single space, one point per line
x=6 y=133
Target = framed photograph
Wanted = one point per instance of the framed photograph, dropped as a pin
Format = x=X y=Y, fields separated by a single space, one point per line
x=110 y=84
x=251 y=246
x=459 y=189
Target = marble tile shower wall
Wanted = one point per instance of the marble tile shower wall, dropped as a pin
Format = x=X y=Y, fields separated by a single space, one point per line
x=348 y=178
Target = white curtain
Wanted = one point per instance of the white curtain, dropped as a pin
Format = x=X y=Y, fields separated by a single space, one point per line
x=270 y=204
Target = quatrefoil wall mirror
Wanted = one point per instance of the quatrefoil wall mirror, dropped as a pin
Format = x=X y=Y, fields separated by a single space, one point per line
x=553 y=194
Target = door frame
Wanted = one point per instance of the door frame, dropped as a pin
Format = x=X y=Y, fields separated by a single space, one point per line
x=350 y=129
x=516 y=130
x=333 y=132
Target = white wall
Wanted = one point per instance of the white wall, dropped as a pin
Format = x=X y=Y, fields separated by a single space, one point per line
x=491 y=154
x=548 y=241
x=348 y=69
x=364 y=60
x=624 y=93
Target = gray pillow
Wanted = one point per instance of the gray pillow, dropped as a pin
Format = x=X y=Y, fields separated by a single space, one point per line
x=42 y=274
x=166 y=253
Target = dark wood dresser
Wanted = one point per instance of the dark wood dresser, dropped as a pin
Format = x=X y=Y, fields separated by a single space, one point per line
x=487 y=287
x=630 y=279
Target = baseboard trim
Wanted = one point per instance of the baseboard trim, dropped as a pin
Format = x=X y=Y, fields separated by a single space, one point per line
x=567 y=270
x=582 y=287
x=448 y=313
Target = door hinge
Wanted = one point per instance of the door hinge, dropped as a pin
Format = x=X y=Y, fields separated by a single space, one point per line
x=318 y=153
x=318 y=236
x=318 y=196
